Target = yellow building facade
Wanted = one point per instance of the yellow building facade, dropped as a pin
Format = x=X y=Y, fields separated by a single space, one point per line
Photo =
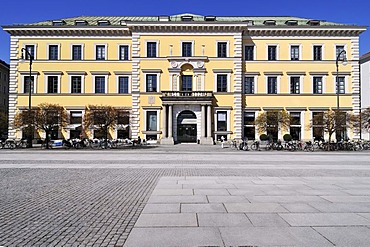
x=187 y=78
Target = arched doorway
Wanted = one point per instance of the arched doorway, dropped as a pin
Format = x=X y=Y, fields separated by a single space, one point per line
x=187 y=127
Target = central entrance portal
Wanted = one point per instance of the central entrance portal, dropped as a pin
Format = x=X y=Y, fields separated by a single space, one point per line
x=187 y=127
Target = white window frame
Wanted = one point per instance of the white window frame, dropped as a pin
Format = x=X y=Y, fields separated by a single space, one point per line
x=34 y=82
x=158 y=82
x=299 y=50
x=106 y=51
x=277 y=83
x=228 y=113
x=35 y=49
x=301 y=125
x=255 y=81
x=83 y=114
x=192 y=46
x=228 y=78
x=47 y=51
x=82 y=83
x=129 y=82
x=335 y=50
x=277 y=52
x=146 y=48
x=323 y=83
x=82 y=51
x=119 y=51
x=145 y=119
x=345 y=83
x=46 y=82
x=106 y=83
x=322 y=51
x=300 y=84
x=254 y=52
x=227 y=48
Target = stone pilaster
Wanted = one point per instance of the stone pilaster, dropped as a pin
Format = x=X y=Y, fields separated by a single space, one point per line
x=135 y=116
x=355 y=72
x=237 y=83
x=13 y=85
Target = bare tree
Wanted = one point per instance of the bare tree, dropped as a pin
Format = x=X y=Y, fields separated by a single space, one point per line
x=272 y=121
x=103 y=118
x=334 y=121
x=365 y=119
x=46 y=117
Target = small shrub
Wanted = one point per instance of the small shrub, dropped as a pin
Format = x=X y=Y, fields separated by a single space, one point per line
x=287 y=137
x=264 y=137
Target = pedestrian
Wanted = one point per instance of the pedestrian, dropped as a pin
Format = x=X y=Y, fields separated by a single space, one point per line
x=222 y=141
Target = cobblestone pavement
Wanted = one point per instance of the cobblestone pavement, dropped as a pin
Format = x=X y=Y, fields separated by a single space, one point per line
x=98 y=206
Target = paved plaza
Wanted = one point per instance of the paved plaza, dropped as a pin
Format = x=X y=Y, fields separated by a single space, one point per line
x=183 y=195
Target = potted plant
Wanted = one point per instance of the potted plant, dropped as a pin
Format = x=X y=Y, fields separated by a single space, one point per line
x=287 y=137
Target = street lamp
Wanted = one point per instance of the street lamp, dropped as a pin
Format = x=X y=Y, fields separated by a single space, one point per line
x=340 y=57
x=30 y=56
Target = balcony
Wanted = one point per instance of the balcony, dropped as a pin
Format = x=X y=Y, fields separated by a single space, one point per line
x=187 y=97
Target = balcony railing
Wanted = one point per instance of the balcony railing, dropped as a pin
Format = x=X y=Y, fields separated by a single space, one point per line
x=187 y=94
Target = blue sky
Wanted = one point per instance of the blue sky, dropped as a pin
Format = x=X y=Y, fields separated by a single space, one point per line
x=345 y=11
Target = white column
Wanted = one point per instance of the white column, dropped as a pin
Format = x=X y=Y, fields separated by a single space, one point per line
x=203 y=122
x=209 y=121
x=164 y=122
x=170 y=121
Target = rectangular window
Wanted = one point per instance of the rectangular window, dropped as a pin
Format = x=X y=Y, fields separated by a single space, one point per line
x=295 y=125
x=26 y=87
x=76 y=84
x=317 y=125
x=221 y=83
x=151 y=83
x=100 y=52
x=186 y=83
x=339 y=49
x=317 y=52
x=294 y=52
x=53 y=52
x=249 y=126
x=341 y=82
x=317 y=85
x=123 y=84
x=123 y=52
x=249 y=85
x=272 y=85
x=187 y=49
x=249 y=53
x=294 y=85
x=31 y=50
x=221 y=49
x=271 y=50
x=151 y=121
x=99 y=84
x=221 y=121
x=151 y=48
x=75 y=117
x=76 y=52
x=52 y=84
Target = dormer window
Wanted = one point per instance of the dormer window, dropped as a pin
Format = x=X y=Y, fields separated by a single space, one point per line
x=163 y=18
x=313 y=22
x=81 y=23
x=59 y=23
x=249 y=22
x=291 y=23
x=186 y=18
x=210 y=18
x=103 y=23
x=269 y=22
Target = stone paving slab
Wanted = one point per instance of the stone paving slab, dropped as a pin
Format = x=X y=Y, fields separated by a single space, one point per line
x=167 y=220
x=203 y=208
x=169 y=236
x=346 y=236
x=178 y=199
x=161 y=208
x=328 y=207
x=254 y=208
x=223 y=220
x=299 y=207
x=324 y=219
x=272 y=236
x=270 y=220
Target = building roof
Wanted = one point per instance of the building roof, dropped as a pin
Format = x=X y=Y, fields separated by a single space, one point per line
x=252 y=20
x=364 y=58
x=4 y=64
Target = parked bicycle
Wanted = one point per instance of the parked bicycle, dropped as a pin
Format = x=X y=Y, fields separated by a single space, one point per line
x=9 y=143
